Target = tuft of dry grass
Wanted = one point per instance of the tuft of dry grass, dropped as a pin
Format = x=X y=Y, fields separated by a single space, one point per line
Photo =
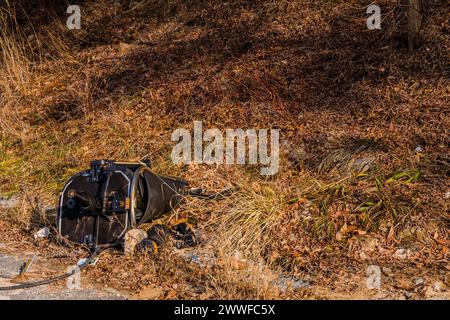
x=243 y=225
x=15 y=67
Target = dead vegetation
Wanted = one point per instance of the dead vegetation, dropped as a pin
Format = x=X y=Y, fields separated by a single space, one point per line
x=364 y=127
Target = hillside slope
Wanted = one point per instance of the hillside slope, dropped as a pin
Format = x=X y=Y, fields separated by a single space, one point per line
x=364 y=125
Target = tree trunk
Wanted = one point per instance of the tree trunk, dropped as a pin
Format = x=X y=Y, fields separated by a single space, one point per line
x=414 y=22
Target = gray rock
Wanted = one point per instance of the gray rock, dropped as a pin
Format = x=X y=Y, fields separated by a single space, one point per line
x=284 y=283
x=418 y=149
x=439 y=286
x=58 y=293
x=362 y=165
x=402 y=253
x=10 y=266
x=132 y=238
x=8 y=203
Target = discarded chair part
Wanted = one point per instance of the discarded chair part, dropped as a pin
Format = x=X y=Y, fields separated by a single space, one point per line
x=159 y=234
x=184 y=235
x=148 y=247
x=98 y=206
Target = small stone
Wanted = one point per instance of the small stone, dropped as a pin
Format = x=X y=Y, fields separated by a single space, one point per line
x=9 y=203
x=408 y=295
x=362 y=165
x=418 y=281
x=418 y=149
x=132 y=238
x=363 y=256
x=439 y=286
x=200 y=235
x=401 y=253
x=285 y=282
x=371 y=244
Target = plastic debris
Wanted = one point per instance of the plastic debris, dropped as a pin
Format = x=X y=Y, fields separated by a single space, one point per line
x=88 y=261
x=42 y=233
x=26 y=266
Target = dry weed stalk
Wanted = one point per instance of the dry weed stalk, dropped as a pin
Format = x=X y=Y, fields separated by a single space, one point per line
x=15 y=70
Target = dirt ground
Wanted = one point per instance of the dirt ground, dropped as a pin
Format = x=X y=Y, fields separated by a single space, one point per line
x=400 y=277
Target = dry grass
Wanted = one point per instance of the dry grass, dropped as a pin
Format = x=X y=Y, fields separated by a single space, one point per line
x=352 y=106
x=15 y=66
x=244 y=224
